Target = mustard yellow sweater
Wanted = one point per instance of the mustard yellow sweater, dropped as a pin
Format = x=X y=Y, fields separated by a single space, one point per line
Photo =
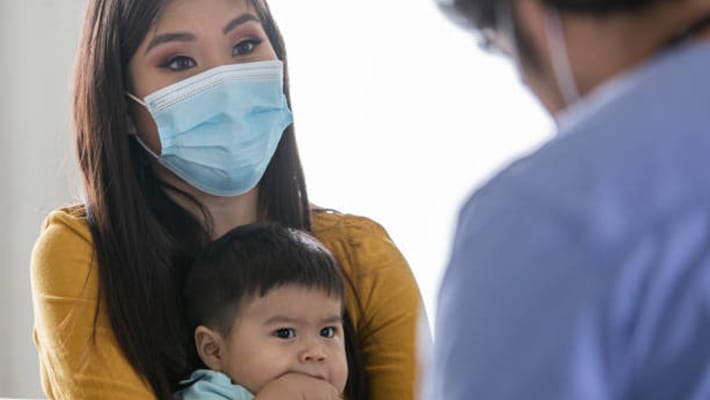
x=64 y=289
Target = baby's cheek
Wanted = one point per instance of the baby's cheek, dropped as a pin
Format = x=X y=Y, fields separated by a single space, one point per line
x=254 y=369
x=340 y=373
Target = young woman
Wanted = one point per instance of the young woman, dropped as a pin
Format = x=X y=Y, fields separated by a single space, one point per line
x=184 y=132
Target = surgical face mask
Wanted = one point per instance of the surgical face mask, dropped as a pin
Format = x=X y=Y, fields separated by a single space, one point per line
x=219 y=129
x=561 y=68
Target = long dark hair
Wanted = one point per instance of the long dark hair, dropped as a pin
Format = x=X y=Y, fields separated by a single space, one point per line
x=143 y=239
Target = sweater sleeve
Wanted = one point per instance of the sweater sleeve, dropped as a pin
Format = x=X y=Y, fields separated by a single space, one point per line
x=76 y=362
x=386 y=305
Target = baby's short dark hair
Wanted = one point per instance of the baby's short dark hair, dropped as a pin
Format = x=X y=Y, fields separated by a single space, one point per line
x=250 y=261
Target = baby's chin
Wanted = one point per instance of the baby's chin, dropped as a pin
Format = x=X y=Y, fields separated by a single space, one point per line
x=257 y=387
x=340 y=386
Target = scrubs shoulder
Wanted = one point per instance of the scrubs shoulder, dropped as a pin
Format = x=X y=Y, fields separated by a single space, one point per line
x=582 y=271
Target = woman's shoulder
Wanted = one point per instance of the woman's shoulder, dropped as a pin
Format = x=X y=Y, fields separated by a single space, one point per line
x=70 y=220
x=330 y=225
x=385 y=300
x=329 y=222
x=362 y=245
x=65 y=226
x=63 y=252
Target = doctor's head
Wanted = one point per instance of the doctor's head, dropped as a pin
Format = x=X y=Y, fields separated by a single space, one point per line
x=567 y=48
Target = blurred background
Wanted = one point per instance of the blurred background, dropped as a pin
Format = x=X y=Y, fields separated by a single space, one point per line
x=399 y=116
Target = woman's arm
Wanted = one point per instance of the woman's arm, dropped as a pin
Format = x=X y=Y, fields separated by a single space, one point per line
x=76 y=362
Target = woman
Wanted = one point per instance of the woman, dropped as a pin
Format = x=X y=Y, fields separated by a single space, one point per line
x=107 y=274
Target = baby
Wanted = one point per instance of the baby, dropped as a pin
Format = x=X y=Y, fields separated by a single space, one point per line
x=266 y=305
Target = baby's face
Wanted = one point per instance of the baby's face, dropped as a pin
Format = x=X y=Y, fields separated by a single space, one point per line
x=290 y=329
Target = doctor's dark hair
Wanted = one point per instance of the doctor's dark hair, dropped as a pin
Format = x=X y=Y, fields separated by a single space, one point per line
x=143 y=240
x=251 y=260
x=482 y=14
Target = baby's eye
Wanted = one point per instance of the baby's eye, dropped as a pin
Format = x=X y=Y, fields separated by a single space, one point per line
x=179 y=63
x=245 y=47
x=328 y=332
x=285 y=333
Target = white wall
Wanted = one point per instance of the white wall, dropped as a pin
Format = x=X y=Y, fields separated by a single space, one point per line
x=37 y=45
x=398 y=117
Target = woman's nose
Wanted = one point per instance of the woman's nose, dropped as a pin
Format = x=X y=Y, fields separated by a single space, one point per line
x=215 y=55
x=215 y=58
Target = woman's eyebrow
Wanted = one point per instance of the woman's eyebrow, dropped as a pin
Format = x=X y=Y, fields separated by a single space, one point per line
x=186 y=36
x=238 y=21
x=170 y=37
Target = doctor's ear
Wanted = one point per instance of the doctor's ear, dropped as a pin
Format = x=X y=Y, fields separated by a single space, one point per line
x=210 y=345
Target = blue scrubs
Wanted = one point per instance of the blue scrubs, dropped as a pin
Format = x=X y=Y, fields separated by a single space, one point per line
x=583 y=270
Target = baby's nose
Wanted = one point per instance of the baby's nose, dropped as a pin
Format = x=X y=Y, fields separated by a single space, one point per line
x=313 y=352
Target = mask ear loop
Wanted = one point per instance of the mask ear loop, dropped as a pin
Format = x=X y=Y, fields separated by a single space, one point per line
x=136 y=135
x=559 y=57
x=145 y=147
x=136 y=99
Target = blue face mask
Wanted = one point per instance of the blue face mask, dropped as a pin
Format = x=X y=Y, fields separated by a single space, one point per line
x=219 y=129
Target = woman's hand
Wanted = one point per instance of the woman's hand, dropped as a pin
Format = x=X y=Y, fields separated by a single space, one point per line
x=295 y=386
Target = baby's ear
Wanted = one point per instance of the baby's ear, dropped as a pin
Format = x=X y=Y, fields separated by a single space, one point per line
x=209 y=347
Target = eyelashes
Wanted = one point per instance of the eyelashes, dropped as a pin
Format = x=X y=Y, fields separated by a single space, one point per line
x=245 y=47
x=290 y=333
x=179 y=63
x=328 y=332
x=285 y=333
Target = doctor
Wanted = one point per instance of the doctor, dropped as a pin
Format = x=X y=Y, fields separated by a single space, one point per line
x=583 y=270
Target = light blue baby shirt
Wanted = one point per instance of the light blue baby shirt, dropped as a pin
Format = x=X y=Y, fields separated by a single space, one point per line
x=205 y=384
x=582 y=272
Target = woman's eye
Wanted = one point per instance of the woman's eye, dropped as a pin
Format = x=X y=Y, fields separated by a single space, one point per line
x=328 y=332
x=179 y=63
x=285 y=333
x=245 y=47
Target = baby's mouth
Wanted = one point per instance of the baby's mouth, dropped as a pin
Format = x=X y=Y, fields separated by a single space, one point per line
x=314 y=374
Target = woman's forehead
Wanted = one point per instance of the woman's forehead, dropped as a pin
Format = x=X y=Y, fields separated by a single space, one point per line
x=175 y=14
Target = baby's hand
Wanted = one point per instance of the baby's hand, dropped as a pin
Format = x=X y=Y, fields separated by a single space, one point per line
x=295 y=386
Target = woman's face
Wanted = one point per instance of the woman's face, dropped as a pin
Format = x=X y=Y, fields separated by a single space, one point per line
x=189 y=37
